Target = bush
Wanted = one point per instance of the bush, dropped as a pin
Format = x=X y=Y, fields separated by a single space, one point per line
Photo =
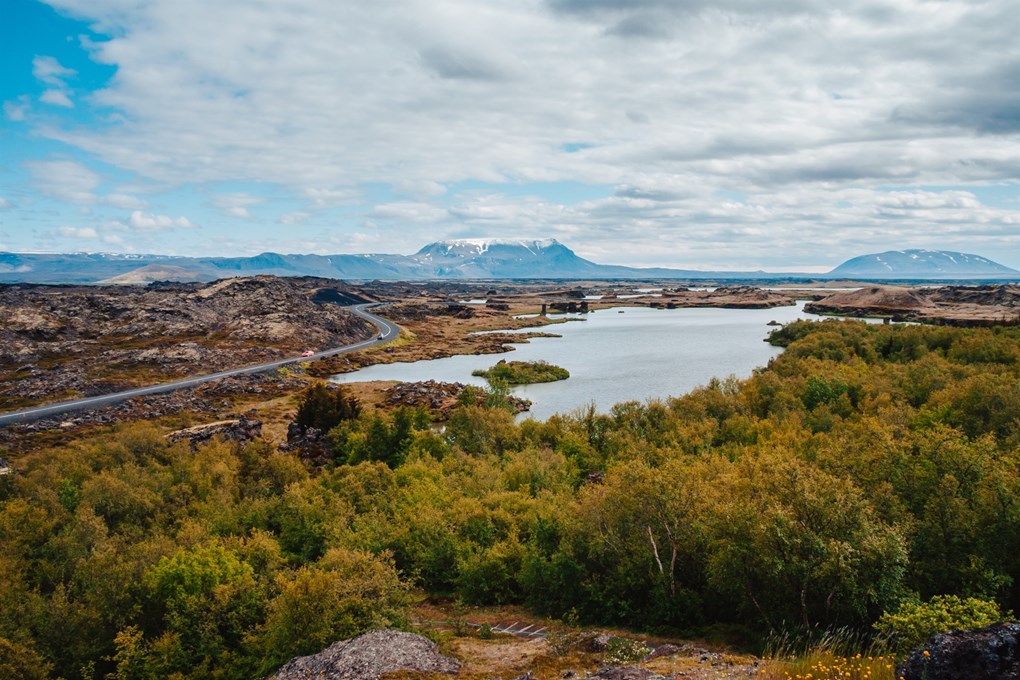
x=324 y=408
x=523 y=372
x=915 y=622
x=19 y=661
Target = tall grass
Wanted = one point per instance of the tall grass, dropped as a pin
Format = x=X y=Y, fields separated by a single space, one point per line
x=833 y=655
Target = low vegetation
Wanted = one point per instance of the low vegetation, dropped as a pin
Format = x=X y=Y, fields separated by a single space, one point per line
x=866 y=468
x=523 y=372
x=915 y=622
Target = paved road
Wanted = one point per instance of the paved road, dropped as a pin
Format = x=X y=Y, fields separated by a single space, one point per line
x=387 y=331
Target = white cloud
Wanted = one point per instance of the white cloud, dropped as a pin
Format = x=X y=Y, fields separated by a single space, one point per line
x=140 y=221
x=4 y=203
x=408 y=212
x=124 y=202
x=296 y=217
x=50 y=72
x=56 y=98
x=72 y=182
x=331 y=198
x=16 y=110
x=731 y=131
x=420 y=189
x=236 y=205
x=68 y=181
x=79 y=232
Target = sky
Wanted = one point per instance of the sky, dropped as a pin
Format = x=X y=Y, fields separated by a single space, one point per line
x=731 y=134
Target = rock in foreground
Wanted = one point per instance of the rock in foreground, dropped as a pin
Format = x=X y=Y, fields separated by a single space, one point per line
x=988 y=653
x=369 y=656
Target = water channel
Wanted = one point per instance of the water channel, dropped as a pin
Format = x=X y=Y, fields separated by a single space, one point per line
x=619 y=354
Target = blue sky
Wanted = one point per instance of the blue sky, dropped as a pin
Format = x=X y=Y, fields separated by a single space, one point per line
x=772 y=135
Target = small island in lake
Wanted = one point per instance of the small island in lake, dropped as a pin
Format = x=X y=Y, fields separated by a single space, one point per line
x=523 y=372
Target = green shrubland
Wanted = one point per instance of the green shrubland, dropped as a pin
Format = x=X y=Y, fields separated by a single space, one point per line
x=867 y=468
x=523 y=373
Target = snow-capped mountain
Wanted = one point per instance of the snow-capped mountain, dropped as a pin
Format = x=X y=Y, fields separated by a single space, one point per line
x=921 y=264
x=505 y=259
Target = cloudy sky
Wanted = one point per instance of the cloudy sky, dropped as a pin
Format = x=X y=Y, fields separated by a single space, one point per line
x=737 y=134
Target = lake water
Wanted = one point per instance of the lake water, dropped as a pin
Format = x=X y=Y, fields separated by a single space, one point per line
x=613 y=357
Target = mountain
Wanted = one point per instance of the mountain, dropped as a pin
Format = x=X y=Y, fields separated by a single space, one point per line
x=463 y=259
x=460 y=259
x=921 y=264
x=505 y=259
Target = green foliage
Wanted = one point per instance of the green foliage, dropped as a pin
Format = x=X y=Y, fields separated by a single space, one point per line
x=867 y=466
x=20 y=661
x=208 y=598
x=346 y=594
x=383 y=438
x=522 y=372
x=325 y=408
x=621 y=651
x=913 y=623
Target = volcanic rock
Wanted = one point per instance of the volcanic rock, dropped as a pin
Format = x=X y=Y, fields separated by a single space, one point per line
x=438 y=397
x=62 y=341
x=238 y=430
x=369 y=656
x=988 y=653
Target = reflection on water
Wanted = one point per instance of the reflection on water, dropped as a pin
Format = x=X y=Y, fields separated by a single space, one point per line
x=643 y=354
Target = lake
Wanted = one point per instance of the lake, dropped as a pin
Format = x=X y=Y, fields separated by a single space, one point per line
x=612 y=357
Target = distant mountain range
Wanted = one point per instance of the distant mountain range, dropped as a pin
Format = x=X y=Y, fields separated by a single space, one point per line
x=462 y=259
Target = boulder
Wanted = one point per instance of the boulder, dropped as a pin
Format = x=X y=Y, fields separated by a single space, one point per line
x=239 y=430
x=369 y=656
x=988 y=653
x=594 y=641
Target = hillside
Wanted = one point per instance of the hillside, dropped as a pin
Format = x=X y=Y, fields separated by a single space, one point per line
x=921 y=264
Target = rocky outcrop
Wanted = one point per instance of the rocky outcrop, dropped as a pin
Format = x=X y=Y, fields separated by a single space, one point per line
x=439 y=397
x=310 y=443
x=212 y=400
x=951 y=305
x=874 y=301
x=418 y=311
x=62 y=341
x=5 y=468
x=237 y=430
x=988 y=653
x=742 y=297
x=368 y=657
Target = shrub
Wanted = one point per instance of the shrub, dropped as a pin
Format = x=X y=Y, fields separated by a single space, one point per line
x=914 y=622
x=324 y=409
x=523 y=372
